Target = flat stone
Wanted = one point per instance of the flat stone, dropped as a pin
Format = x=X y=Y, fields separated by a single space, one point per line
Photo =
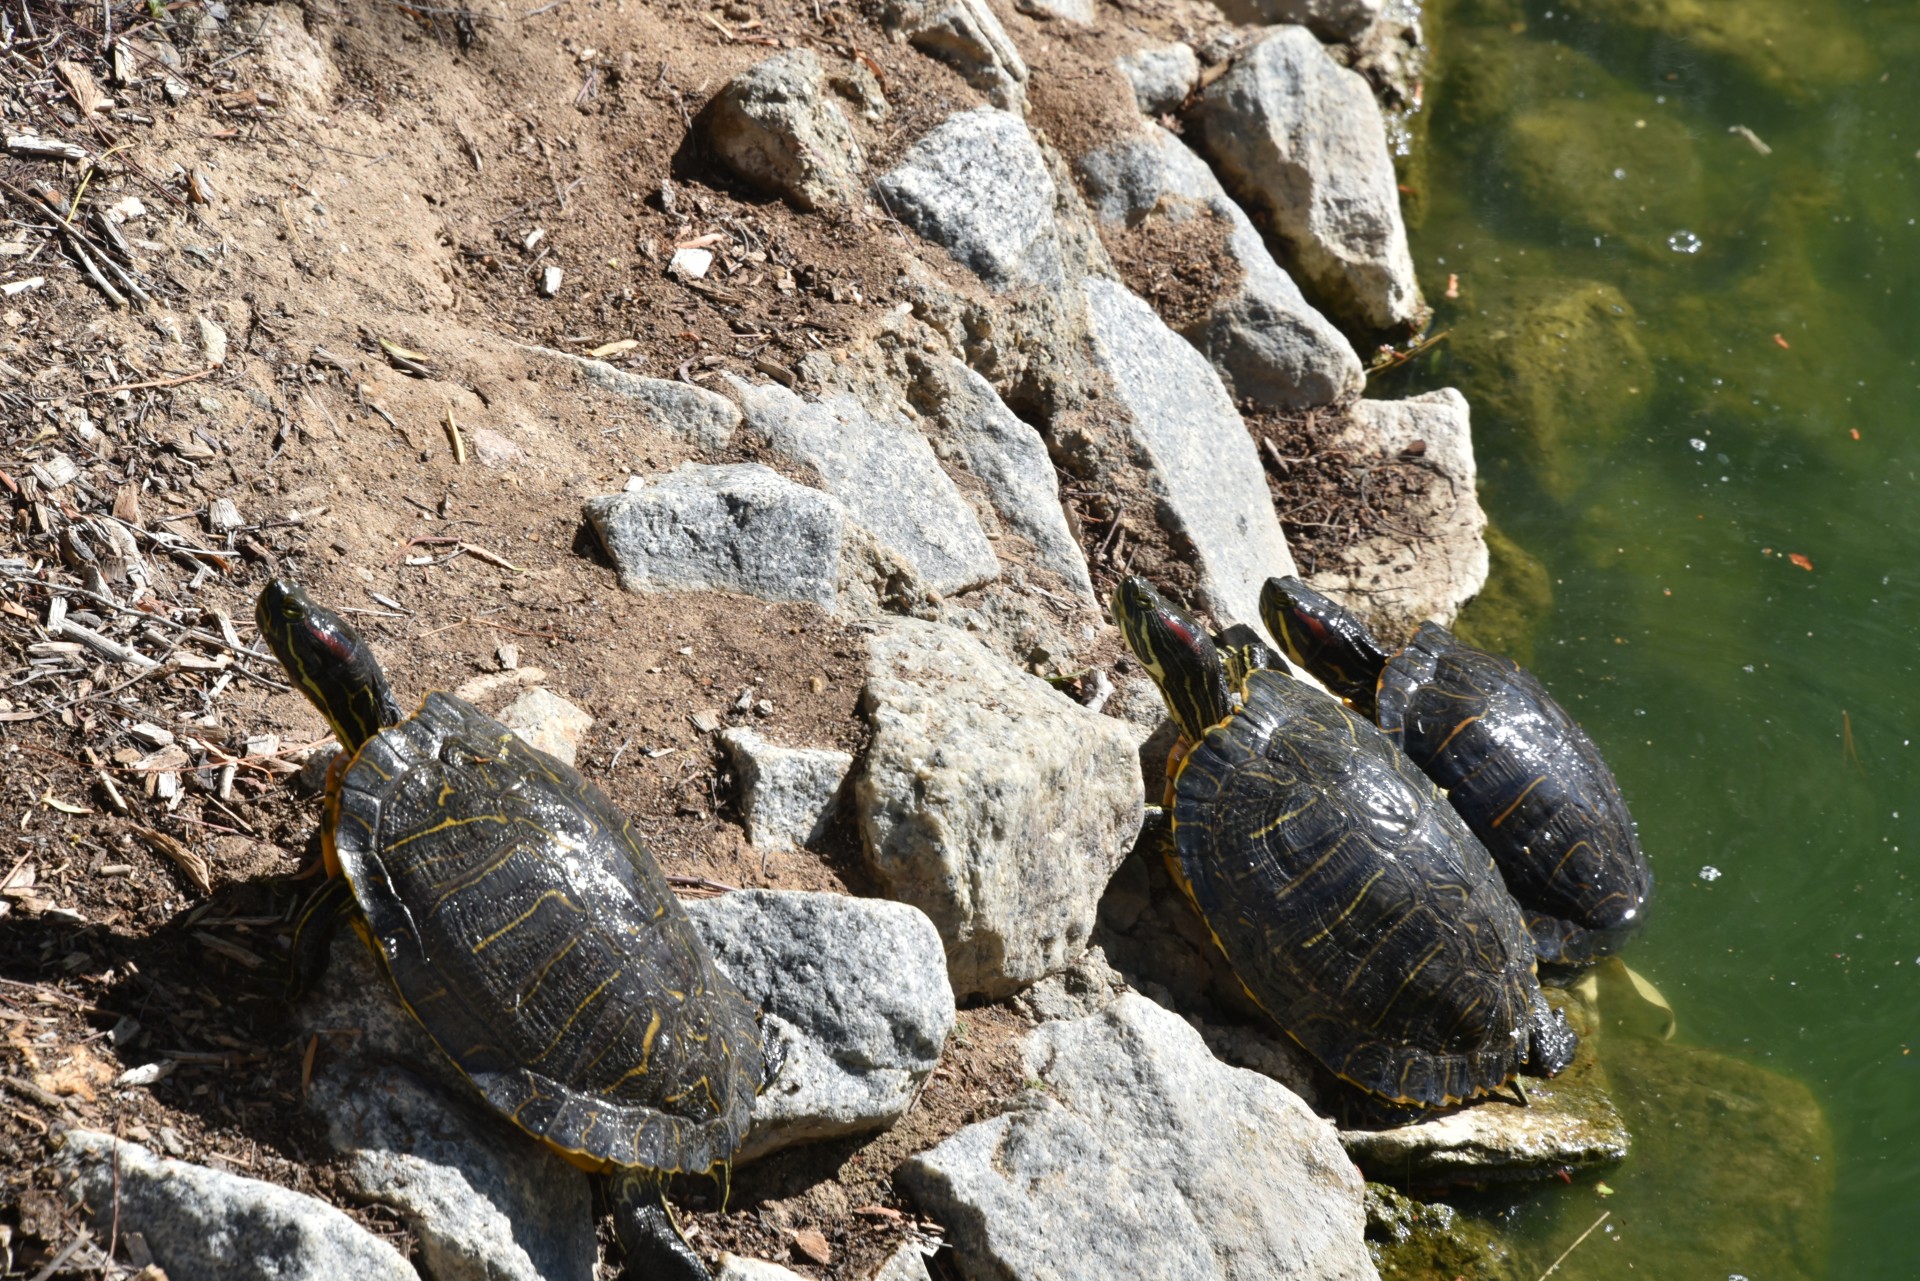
x=1261 y=336
x=885 y=474
x=1395 y=581
x=990 y=801
x=853 y=990
x=206 y=1223
x=788 y=794
x=682 y=410
x=775 y=126
x=978 y=187
x=1079 y=12
x=966 y=419
x=1569 y=1123
x=486 y=1202
x=1162 y=76
x=548 y=722
x=741 y=527
x=1299 y=141
x=1139 y=1144
x=966 y=34
x=1196 y=450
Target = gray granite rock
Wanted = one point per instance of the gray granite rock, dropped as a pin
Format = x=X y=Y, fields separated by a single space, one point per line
x=967 y=420
x=733 y=1267
x=1075 y=11
x=1162 y=76
x=1395 y=580
x=1139 y=1144
x=484 y=1200
x=693 y=414
x=885 y=474
x=740 y=527
x=908 y=1262
x=775 y=126
x=788 y=794
x=967 y=34
x=1331 y=20
x=1262 y=337
x=990 y=801
x=978 y=187
x=549 y=722
x=853 y=990
x=1196 y=450
x=1299 y=141
x=210 y=1224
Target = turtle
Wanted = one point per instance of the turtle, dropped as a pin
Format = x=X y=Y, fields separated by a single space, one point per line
x=524 y=925
x=1520 y=770
x=1354 y=906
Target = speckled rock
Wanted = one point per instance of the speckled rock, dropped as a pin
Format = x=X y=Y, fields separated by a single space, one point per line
x=775 y=126
x=787 y=794
x=548 y=722
x=693 y=414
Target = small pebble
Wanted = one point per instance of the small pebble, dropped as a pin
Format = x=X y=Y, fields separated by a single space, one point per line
x=550 y=281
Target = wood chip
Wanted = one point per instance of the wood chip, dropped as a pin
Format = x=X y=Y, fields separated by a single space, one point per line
x=80 y=85
x=811 y=1243
x=186 y=859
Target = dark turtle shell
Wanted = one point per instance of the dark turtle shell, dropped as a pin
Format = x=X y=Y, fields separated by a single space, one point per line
x=1529 y=782
x=529 y=931
x=1354 y=904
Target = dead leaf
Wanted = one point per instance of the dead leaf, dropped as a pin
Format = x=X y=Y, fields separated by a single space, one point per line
x=1801 y=561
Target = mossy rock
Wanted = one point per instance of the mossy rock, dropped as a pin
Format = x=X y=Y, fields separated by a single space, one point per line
x=1777 y=44
x=1512 y=607
x=1558 y=365
x=1420 y=1241
x=1619 y=168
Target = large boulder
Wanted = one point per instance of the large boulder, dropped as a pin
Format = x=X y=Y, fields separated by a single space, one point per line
x=1262 y=337
x=854 y=1002
x=990 y=801
x=740 y=527
x=1434 y=558
x=775 y=126
x=207 y=1223
x=1194 y=449
x=1298 y=139
x=978 y=186
x=1139 y=1145
x=885 y=474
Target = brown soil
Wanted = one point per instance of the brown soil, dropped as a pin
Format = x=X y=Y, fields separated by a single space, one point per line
x=312 y=221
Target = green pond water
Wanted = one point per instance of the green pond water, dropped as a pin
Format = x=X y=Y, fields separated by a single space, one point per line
x=1693 y=372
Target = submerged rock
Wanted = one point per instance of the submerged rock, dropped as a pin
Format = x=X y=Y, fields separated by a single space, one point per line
x=1416 y=1239
x=207 y=1223
x=1298 y=140
x=1137 y=1144
x=993 y=803
x=775 y=126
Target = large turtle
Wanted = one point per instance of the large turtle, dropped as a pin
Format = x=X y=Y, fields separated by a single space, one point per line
x=526 y=927
x=1352 y=903
x=1524 y=775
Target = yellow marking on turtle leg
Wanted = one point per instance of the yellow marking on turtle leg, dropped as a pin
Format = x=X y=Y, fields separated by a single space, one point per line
x=1346 y=911
x=521 y=919
x=1516 y=801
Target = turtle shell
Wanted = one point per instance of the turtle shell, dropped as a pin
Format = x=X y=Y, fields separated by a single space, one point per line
x=1355 y=906
x=1530 y=784
x=528 y=930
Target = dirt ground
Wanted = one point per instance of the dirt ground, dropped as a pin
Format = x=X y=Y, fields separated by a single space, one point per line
x=329 y=228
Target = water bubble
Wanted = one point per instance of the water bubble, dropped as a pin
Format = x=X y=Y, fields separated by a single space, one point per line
x=1619 y=173
x=1684 y=242
x=1709 y=873
x=1699 y=446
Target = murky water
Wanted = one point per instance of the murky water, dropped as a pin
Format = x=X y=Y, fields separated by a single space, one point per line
x=1688 y=265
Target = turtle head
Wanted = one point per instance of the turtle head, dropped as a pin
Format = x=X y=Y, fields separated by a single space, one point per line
x=1178 y=653
x=1324 y=639
x=328 y=662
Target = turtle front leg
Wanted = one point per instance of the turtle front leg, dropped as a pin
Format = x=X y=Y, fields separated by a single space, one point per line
x=643 y=1221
